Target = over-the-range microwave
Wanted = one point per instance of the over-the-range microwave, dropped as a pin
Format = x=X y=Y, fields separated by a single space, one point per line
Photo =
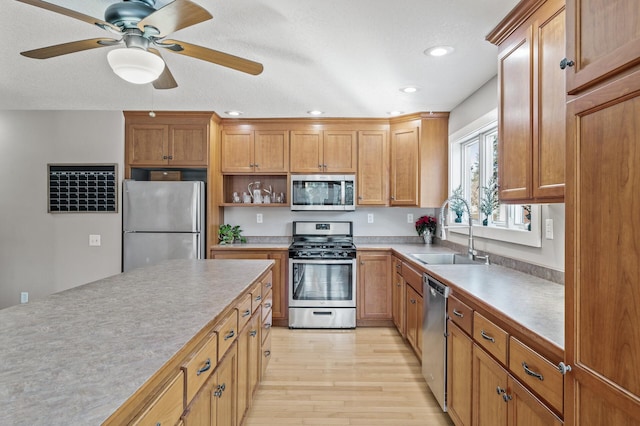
x=323 y=192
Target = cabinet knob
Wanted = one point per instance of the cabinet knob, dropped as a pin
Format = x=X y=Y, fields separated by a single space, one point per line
x=250 y=165
x=256 y=165
x=564 y=368
x=393 y=198
x=319 y=166
x=164 y=157
x=564 y=63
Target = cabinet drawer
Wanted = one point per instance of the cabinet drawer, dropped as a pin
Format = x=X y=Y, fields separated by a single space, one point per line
x=491 y=337
x=460 y=314
x=267 y=303
x=412 y=277
x=267 y=283
x=266 y=354
x=536 y=372
x=244 y=311
x=256 y=296
x=227 y=331
x=167 y=407
x=267 y=322
x=199 y=367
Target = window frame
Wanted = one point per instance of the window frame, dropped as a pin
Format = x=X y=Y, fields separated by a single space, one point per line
x=506 y=231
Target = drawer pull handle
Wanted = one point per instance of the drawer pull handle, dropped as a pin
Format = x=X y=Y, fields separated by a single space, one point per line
x=206 y=367
x=267 y=354
x=258 y=298
x=531 y=372
x=458 y=314
x=500 y=391
x=506 y=397
x=487 y=337
x=413 y=301
x=564 y=368
x=246 y=313
x=253 y=333
x=267 y=326
x=230 y=336
x=267 y=305
x=268 y=285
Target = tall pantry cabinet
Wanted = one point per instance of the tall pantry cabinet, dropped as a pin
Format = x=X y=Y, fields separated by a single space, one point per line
x=602 y=199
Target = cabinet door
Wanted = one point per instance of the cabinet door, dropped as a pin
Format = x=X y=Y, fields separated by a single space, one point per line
x=148 y=144
x=490 y=392
x=243 y=396
x=279 y=285
x=237 y=151
x=603 y=38
x=255 y=352
x=515 y=126
x=223 y=398
x=414 y=320
x=271 y=151
x=374 y=286
x=340 y=151
x=373 y=168
x=404 y=167
x=459 y=375
x=526 y=410
x=398 y=298
x=188 y=145
x=199 y=412
x=549 y=133
x=306 y=151
x=602 y=269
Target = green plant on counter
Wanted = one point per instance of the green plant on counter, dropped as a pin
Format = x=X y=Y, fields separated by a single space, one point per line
x=228 y=234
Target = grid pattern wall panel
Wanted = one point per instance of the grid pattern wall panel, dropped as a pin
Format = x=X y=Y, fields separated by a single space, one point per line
x=83 y=188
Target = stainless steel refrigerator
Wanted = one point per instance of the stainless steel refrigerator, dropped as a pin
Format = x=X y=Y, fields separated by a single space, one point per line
x=162 y=220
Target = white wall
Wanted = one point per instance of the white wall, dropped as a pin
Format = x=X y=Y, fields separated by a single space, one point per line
x=43 y=253
x=472 y=113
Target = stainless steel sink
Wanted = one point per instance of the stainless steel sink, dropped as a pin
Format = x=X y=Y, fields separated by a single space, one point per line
x=442 y=258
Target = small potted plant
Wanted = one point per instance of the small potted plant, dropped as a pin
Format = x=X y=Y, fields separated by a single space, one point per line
x=489 y=202
x=456 y=204
x=426 y=227
x=228 y=234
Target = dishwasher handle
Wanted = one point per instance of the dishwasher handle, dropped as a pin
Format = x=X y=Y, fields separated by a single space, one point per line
x=436 y=285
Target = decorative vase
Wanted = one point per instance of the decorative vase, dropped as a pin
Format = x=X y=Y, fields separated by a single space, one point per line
x=458 y=218
x=485 y=221
x=428 y=237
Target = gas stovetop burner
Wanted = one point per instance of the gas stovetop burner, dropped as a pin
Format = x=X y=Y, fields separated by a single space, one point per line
x=322 y=240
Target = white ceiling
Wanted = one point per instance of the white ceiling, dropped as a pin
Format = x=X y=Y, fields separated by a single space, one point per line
x=347 y=58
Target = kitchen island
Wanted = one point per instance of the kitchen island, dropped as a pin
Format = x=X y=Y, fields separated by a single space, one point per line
x=79 y=355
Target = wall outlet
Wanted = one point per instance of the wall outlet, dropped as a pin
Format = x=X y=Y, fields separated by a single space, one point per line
x=548 y=229
x=94 y=240
x=259 y=217
x=370 y=218
x=409 y=218
x=24 y=297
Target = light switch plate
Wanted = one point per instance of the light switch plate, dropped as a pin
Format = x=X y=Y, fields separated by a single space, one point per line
x=94 y=240
x=259 y=217
x=409 y=218
x=548 y=229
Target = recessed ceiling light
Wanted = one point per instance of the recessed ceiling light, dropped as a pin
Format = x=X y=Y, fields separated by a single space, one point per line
x=438 y=51
x=394 y=113
x=315 y=112
x=233 y=113
x=409 y=89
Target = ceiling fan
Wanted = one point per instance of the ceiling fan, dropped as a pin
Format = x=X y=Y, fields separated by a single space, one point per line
x=142 y=30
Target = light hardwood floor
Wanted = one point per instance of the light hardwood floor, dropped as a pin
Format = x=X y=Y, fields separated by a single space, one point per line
x=366 y=376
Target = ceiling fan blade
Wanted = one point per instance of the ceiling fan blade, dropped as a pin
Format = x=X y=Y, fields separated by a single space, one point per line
x=71 y=47
x=72 y=14
x=214 y=56
x=175 y=16
x=166 y=80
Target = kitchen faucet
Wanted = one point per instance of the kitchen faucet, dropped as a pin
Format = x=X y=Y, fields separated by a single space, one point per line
x=471 y=252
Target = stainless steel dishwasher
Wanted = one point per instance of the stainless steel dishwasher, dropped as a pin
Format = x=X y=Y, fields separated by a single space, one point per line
x=434 y=337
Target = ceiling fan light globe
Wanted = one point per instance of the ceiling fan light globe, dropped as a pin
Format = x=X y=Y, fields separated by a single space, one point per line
x=135 y=65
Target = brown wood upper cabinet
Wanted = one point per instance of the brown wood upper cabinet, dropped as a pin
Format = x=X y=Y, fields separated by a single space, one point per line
x=532 y=134
x=251 y=151
x=169 y=139
x=603 y=39
x=419 y=152
x=373 y=168
x=323 y=151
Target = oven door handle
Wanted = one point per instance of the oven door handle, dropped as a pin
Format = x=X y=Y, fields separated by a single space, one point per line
x=350 y=261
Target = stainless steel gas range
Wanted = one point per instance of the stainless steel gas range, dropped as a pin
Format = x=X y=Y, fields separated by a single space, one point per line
x=322 y=275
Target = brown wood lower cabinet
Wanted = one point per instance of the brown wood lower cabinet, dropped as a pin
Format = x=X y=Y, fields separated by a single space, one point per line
x=374 y=288
x=279 y=270
x=499 y=399
x=249 y=350
x=398 y=298
x=414 y=305
x=459 y=379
